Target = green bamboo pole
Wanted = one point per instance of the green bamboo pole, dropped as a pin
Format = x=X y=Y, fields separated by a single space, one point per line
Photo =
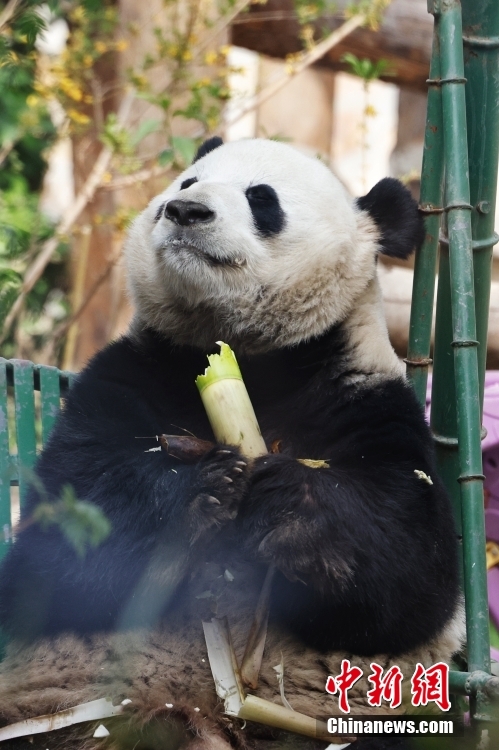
x=481 y=69
x=423 y=289
x=464 y=342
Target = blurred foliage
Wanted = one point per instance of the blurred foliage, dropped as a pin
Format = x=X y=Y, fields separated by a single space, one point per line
x=83 y=524
x=366 y=69
x=48 y=97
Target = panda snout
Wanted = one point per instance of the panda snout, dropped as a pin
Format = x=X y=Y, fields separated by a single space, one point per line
x=185 y=213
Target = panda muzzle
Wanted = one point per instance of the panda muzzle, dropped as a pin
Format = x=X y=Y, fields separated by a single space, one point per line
x=186 y=213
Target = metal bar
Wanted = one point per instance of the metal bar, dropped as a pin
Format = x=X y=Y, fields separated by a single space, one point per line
x=25 y=421
x=5 y=510
x=423 y=289
x=469 y=683
x=464 y=342
x=50 y=393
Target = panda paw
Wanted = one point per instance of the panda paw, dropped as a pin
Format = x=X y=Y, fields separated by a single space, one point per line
x=220 y=485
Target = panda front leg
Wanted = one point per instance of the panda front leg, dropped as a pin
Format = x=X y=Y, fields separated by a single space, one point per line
x=367 y=557
x=290 y=518
x=216 y=492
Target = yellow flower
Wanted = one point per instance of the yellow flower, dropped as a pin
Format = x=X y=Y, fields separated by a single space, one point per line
x=32 y=100
x=204 y=82
x=78 y=14
x=139 y=80
x=88 y=61
x=71 y=89
x=187 y=55
x=211 y=57
x=78 y=117
x=100 y=47
x=307 y=34
x=121 y=45
x=106 y=178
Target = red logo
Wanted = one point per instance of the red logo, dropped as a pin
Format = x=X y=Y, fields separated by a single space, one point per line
x=427 y=685
x=431 y=684
x=387 y=688
x=342 y=683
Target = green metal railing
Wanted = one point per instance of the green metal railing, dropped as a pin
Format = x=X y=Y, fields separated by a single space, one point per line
x=463 y=106
x=19 y=379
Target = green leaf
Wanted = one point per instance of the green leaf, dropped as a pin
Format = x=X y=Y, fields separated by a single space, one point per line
x=146 y=128
x=165 y=157
x=365 y=68
x=185 y=147
x=31 y=24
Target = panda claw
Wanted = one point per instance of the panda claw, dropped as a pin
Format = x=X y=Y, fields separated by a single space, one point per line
x=213 y=500
x=222 y=451
x=238 y=469
x=228 y=480
x=241 y=463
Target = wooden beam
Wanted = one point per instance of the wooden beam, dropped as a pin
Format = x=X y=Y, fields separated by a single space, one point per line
x=404 y=38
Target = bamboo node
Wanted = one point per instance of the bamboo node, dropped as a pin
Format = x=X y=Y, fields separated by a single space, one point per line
x=443 y=81
x=422 y=362
x=429 y=208
x=471 y=478
x=457 y=204
x=464 y=342
x=481 y=41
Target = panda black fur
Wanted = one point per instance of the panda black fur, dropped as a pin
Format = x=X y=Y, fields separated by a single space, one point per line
x=257 y=245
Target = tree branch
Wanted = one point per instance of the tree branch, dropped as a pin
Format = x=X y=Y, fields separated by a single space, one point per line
x=140 y=176
x=8 y=12
x=308 y=59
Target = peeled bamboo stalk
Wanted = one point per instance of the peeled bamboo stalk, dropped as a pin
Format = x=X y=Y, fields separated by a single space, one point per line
x=227 y=404
x=233 y=421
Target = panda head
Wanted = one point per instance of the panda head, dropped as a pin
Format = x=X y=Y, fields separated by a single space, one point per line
x=259 y=245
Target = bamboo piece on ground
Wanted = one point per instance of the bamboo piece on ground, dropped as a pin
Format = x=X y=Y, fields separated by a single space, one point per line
x=253 y=653
x=102 y=708
x=228 y=686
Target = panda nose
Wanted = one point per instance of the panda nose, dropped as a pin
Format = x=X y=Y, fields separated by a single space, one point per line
x=188 y=212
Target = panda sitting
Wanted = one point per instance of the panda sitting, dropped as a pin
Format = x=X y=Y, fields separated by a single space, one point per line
x=256 y=245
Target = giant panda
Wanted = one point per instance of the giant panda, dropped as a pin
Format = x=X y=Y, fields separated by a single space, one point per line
x=257 y=245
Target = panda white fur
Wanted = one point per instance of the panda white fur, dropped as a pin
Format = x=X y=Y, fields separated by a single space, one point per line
x=259 y=246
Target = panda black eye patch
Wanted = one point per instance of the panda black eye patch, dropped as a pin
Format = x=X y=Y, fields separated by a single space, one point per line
x=188 y=183
x=267 y=213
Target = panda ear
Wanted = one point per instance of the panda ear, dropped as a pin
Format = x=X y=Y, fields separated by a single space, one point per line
x=395 y=212
x=210 y=145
